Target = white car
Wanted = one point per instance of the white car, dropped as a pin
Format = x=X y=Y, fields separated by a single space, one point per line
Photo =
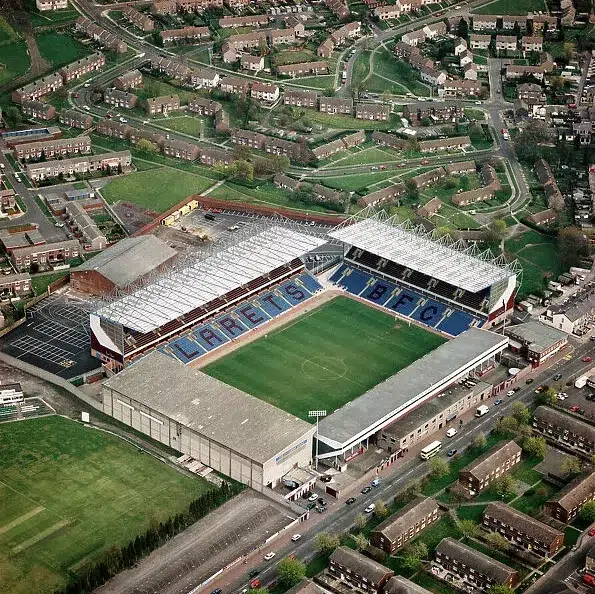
x=451 y=432
x=296 y=537
x=510 y=393
x=478 y=103
x=86 y=107
x=370 y=508
x=269 y=556
x=313 y=497
x=58 y=224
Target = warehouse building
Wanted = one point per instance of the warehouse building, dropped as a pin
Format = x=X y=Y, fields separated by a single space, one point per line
x=222 y=427
x=122 y=266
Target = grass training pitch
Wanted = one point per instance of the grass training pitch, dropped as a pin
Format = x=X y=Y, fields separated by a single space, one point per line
x=67 y=492
x=325 y=358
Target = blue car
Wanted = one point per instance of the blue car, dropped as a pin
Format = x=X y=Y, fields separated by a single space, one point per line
x=499 y=401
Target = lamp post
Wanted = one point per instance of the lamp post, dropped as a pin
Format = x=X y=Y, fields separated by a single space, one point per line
x=317 y=414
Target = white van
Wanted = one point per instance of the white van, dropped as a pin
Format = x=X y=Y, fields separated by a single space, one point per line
x=451 y=432
x=482 y=410
x=375 y=483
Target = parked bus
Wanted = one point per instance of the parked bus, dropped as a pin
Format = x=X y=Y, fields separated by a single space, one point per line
x=431 y=450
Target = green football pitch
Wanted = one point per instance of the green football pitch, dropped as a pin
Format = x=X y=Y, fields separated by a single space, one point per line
x=67 y=492
x=325 y=358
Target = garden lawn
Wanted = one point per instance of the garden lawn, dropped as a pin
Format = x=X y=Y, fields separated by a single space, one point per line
x=287 y=57
x=14 y=61
x=471 y=512
x=354 y=182
x=40 y=283
x=340 y=122
x=7 y=33
x=153 y=87
x=60 y=48
x=532 y=503
x=155 y=189
x=68 y=492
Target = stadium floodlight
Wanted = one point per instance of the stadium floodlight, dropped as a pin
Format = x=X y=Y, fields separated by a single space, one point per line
x=317 y=414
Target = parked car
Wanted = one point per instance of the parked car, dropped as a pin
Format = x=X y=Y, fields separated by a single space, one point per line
x=253 y=573
x=557 y=377
x=575 y=408
x=326 y=479
x=296 y=537
x=269 y=556
x=529 y=381
x=370 y=508
x=313 y=497
x=217 y=591
x=350 y=501
x=255 y=584
x=321 y=509
x=321 y=501
x=510 y=393
x=451 y=432
x=452 y=452
x=499 y=401
x=516 y=389
x=366 y=490
x=587 y=359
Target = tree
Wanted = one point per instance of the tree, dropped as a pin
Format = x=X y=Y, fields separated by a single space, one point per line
x=568 y=48
x=463 y=29
x=413 y=555
x=412 y=190
x=496 y=540
x=506 y=426
x=573 y=245
x=500 y=589
x=146 y=146
x=528 y=142
x=534 y=447
x=259 y=591
x=12 y=117
x=381 y=510
x=571 y=465
x=408 y=493
x=504 y=486
x=361 y=542
x=325 y=543
x=521 y=413
x=469 y=528
x=557 y=83
x=439 y=467
x=290 y=572
x=479 y=441
x=243 y=170
x=587 y=513
x=241 y=152
x=360 y=521
x=548 y=397
x=495 y=231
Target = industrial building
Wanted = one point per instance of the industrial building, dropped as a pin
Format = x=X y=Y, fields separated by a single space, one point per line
x=222 y=427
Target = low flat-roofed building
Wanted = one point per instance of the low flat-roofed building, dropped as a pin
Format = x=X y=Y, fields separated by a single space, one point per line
x=82 y=224
x=566 y=505
x=122 y=266
x=397 y=530
x=358 y=571
x=435 y=415
x=573 y=434
x=479 y=474
x=226 y=429
x=521 y=530
x=536 y=341
x=472 y=567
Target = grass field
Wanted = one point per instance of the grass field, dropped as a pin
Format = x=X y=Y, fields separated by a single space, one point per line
x=539 y=256
x=326 y=358
x=155 y=189
x=68 y=492
x=503 y=7
x=59 y=48
x=14 y=61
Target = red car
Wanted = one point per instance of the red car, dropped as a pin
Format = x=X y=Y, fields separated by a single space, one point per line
x=589 y=579
x=591 y=532
x=576 y=408
x=587 y=359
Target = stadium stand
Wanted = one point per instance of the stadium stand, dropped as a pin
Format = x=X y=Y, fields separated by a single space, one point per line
x=248 y=315
x=446 y=285
x=189 y=309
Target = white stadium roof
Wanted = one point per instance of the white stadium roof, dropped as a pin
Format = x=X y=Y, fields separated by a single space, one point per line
x=414 y=248
x=184 y=289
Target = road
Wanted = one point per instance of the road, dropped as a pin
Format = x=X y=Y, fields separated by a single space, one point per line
x=343 y=517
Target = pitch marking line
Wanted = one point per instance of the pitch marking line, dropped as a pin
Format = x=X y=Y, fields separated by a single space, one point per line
x=21 y=519
x=40 y=536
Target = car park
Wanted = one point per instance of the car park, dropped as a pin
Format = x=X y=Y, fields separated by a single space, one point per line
x=370 y=508
x=269 y=556
x=350 y=501
x=452 y=452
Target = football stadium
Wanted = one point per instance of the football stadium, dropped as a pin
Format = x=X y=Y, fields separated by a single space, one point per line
x=225 y=355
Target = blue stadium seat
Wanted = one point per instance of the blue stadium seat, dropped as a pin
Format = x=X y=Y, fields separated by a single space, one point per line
x=310 y=283
x=456 y=323
x=334 y=278
x=208 y=337
x=294 y=293
x=251 y=315
x=405 y=302
x=230 y=325
x=355 y=281
x=430 y=313
x=185 y=349
x=379 y=292
x=273 y=304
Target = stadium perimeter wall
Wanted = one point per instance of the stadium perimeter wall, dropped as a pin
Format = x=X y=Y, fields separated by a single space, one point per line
x=243 y=207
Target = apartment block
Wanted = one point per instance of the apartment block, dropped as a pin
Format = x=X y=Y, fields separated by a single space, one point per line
x=372 y=111
x=253 y=140
x=81 y=67
x=78 y=165
x=44 y=255
x=83 y=226
x=38 y=110
x=566 y=505
x=358 y=571
x=573 y=434
x=119 y=98
x=335 y=105
x=52 y=149
x=300 y=98
x=132 y=79
x=75 y=119
x=180 y=149
x=204 y=107
x=164 y=104
x=141 y=21
x=38 y=89
x=303 y=69
x=262 y=91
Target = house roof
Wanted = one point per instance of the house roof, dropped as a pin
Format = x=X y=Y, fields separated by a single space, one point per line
x=483 y=466
x=400 y=585
x=573 y=494
x=360 y=564
x=522 y=522
x=559 y=419
x=401 y=521
x=538 y=336
x=474 y=559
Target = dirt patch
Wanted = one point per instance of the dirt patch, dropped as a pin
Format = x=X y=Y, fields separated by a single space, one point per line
x=133 y=216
